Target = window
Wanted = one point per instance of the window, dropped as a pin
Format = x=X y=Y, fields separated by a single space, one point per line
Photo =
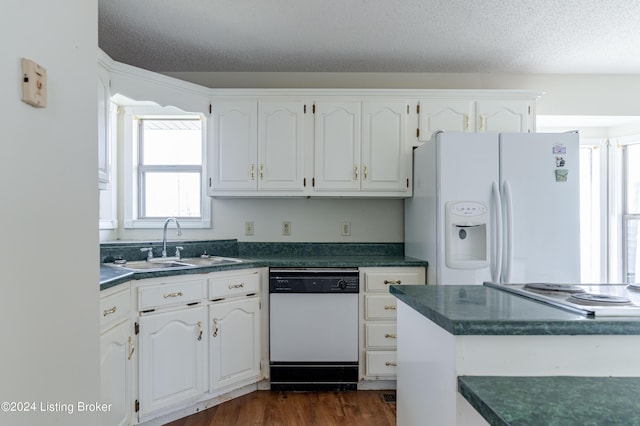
x=631 y=212
x=165 y=177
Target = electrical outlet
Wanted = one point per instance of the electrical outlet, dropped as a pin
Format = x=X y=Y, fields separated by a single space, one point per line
x=286 y=228
x=248 y=228
x=345 y=229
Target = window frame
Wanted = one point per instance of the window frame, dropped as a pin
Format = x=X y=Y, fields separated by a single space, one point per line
x=133 y=189
x=625 y=215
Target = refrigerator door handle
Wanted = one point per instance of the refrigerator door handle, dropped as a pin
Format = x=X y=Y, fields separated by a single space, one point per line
x=497 y=204
x=508 y=263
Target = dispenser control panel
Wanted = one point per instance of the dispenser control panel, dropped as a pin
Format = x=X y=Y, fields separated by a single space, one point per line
x=468 y=208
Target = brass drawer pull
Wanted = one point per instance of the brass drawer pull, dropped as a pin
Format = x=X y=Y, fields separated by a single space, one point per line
x=389 y=308
x=232 y=286
x=131 y=348
x=177 y=294
x=109 y=311
x=391 y=364
x=215 y=325
x=390 y=336
x=388 y=282
x=200 y=328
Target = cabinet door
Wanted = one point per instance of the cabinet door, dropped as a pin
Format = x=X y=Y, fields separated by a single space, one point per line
x=445 y=114
x=504 y=116
x=386 y=154
x=234 y=134
x=235 y=341
x=337 y=146
x=116 y=351
x=280 y=145
x=172 y=365
x=104 y=101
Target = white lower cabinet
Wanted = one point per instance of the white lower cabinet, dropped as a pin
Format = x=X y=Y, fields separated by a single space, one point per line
x=378 y=331
x=234 y=341
x=117 y=354
x=199 y=337
x=173 y=351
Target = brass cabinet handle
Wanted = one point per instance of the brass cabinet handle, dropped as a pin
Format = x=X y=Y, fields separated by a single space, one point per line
x=200 y=328
x=109 y=311
x=389 y=308
x=261 y=171
x=131 y=348
x=387 y=282
x=364 y=172
x=177 y=294
x=215 y=329
x=355 y=172
x=231 y=286
x=391 y=364
x=481 y=122
x=390 y=336
x=466 y=121
x=253 y=172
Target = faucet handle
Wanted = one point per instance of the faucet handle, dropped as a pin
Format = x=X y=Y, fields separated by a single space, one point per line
x=178 y=248
x=149 y=251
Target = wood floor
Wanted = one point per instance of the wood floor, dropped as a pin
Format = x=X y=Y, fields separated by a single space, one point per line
x=299 y=409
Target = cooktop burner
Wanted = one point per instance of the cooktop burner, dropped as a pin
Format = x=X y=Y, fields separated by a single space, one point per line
x=591 y=299
x=553 y=288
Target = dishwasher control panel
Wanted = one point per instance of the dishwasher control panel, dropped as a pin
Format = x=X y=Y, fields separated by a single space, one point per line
x=314 y=280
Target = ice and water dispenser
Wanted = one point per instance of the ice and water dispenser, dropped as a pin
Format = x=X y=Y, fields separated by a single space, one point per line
x=466 y=235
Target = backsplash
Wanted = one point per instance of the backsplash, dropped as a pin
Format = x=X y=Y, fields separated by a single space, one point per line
x=233 y=248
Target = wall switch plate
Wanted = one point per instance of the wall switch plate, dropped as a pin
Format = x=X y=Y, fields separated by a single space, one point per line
x=34 y=84
x=345 y=229
x=248 y=228
x=286 y=228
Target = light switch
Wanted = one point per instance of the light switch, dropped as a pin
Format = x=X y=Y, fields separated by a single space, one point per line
x=34 y=84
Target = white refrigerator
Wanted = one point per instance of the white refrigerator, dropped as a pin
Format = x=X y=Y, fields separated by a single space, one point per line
x=496 y=207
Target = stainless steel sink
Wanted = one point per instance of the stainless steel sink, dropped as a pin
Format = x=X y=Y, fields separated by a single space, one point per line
x=159 y=265
x=211 y=261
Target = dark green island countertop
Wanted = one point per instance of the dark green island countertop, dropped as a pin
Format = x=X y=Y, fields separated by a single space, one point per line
x=480 y=310
x=554 y=401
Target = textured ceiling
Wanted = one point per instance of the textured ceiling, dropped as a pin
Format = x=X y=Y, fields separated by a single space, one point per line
x=466 y=36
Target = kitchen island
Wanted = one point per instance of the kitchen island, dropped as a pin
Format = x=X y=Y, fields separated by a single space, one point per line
x=449 y=331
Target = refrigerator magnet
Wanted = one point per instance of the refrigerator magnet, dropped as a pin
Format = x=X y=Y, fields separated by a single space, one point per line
x=560 y=162
x=561 y=175
x=559 y=149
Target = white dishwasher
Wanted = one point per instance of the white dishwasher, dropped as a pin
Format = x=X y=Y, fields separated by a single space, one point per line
x=313 y=328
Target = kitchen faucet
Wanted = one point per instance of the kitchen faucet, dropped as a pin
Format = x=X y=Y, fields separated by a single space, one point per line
x=164 y=236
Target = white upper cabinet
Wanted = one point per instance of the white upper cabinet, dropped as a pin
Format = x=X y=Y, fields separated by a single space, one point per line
x=361 y=148
x=256 y=146
x=337 y=146
x=233 y=156
x=104 y=101
x=386 y=155
x=504 y=116
x=445 y=114
x=475 y=115
x=280 y=145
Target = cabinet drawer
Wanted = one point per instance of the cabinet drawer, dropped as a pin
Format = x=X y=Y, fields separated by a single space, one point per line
x=157 y=296
x=381 y=363
x=380 y=281
x=114 y=307
x=380 y=307
x=231 y=285
x=382 y=335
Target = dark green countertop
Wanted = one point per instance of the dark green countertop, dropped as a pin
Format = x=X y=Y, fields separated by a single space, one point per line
x=480 y=310
x=554 y=401
x=111 y=276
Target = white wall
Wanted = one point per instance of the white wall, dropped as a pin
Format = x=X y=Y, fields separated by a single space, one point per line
x=312 y=220
x=49 y=242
